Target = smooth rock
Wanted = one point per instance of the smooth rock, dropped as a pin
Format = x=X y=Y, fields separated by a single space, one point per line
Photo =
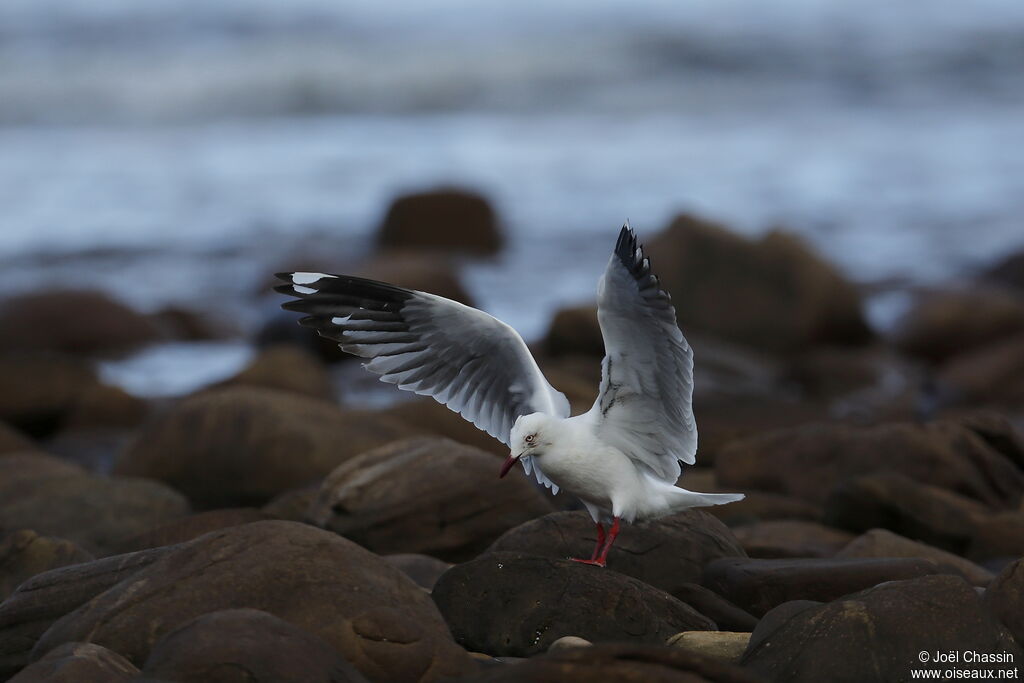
x=566 y=642
x=424 y=495
x=13 y=441
x=241 y=446
x=759 y=585
x=285 y=367
x=1004 y=598
x=41 y=389
x=442 y=218
x=903 y=505
x=809 y=461
x=23 y=554
x=878 y=634
x=366 y=610
x=542 y=599
x=712 y=605
x=884 y=543
x=992 y=374
x=574 y=330
x=759 y=506
x=422 y=569
x=791 y=538
x=665 y=553
x=727 y=646
x=247 y=646
x=195 y=525
x=430 y=418
x=78 y=663
x=997 y=537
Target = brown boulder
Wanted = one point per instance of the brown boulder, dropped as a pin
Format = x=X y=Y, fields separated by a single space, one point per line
x=726 y=615
x=247 y=646
x=443 y=219
x=618 y=663
x=78 y=663
x=666 y=552
x=727 y=646
x=424 y=570
x=790 y=538
x=540 y=599
x=243 y=445
x=998 y=537
x=778 y=294
x=943 y=324
x=23 y=554
x=918 y=511
x=41 y=389
x=1005 y=596
x=428 y=417
x=424 y=495
x=759 y=585
x=1008 y=272
x=759 y=506
x=809 y=461
x=285 y=367
x=366 y=610
x=993 y=373
x=94 y=512
x=574 y=330
x=13 y=441
x=71 y=321
x=878 y=634
x=102 y=407
x=884 y=543
x=195 y=525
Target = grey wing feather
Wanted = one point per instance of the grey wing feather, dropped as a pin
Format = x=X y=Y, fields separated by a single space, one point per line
x=645 y=404
x=462 y=357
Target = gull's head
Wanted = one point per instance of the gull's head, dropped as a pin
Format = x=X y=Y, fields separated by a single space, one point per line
x=528 y=438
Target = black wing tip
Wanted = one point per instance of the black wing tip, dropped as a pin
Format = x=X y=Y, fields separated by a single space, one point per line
x=628 y=247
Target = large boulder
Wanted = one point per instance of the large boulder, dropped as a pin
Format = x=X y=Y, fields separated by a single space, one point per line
x=23 y=554
x=884 y=543
x=443 y=219
x=666 y=552
x=248 y=646
x=790 y=538
x=94 y=512
x=879 y=634
x=999 y=537
x=809 y=461
x=518 y=605
x=1005 y=598
x=918 y=511
x=943 y=324
x=13 y=441
x=427 y=416
x=42 y=389
x=285 y=367
x=423 y=569
x=193 y=526
x=364 y=608
x=242 y=445
x=990 y=374
x=618 y=663
x=424 y=495
x=78 y=663
x=46 y=597
x=759 y=585
x=72 y=321
x=781 y=296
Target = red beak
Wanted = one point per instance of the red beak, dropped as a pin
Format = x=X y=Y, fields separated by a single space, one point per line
x=509 y=463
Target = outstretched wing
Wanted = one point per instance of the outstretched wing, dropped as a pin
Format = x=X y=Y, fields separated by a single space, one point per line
x=464 y=358
x=645 y=406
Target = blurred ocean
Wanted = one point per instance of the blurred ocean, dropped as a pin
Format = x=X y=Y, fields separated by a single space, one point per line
x=176 y=151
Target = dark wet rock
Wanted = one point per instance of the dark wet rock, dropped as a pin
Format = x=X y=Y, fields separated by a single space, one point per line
x=186 y=528
x=366 y=610
x=727 y=646
x=759 y=506
x=248 y=646
x=244 y=445
x=24 y=553
x=997 y=537
x=993 y=373
x=945 y=323
x=666 y=553
x=831 y=371
x=94 y=512
x=102 y=406
x=781 y=296
x=574 y=330
x=293 y=504
x=428 y=417
x=878 y=634
x=759 y=585
x=1008 y=273
x=13 y=441
x=918 y=511
x=726 y=615
x=884 y=543
x=618 y=663
x=1005 y=596
x=791 y=538
x=72 y=321
x=809 y=461
x=422 y=569
x=285 y=367
x=997 y=431
x=41 y=389
x=41 y=600
x=444 y=219
x=424 y=495
x=78 y=663
x=542 y=599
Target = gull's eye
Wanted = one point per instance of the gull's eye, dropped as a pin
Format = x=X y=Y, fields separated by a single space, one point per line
x=531 y=438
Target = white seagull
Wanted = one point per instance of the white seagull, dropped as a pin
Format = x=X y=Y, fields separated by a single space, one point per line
x=621 y=458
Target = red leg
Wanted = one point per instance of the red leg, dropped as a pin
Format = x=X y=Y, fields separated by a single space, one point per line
x=612 y=534
x=597 y=547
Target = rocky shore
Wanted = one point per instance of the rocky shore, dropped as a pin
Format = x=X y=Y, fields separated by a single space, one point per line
x=270 y=528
